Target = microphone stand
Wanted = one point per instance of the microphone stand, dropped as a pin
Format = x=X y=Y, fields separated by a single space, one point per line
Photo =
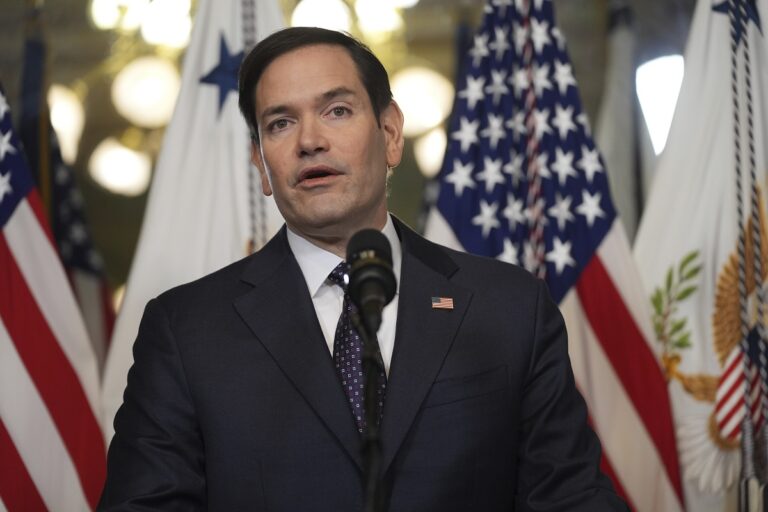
x=372 y=361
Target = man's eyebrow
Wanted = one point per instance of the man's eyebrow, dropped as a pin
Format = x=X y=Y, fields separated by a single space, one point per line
x=337 y=92
x=332 y=94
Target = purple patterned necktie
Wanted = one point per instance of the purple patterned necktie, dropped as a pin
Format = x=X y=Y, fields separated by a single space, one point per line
x=348 y=355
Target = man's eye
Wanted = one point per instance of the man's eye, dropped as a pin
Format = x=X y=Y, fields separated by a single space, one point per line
x=278 y=124
x=339 y=111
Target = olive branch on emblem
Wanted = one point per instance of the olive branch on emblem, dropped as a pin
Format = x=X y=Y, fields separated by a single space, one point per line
x=671 y=331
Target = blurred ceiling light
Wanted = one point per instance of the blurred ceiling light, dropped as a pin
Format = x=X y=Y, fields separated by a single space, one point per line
x=119 y=169
x=121 y=14
x=67 y=118
x=429 y=150
x=424 y=95
x=330 y=14
x=144 y=92
x=401 y=4
x=658 y=84
x=167 y=23
x=376 y=17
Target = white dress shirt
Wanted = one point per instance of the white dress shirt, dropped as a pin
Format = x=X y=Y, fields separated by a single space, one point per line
x=316 y=264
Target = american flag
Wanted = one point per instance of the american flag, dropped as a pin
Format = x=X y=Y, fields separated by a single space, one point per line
x=63 y=201
x=523 y=181
x=51 y=447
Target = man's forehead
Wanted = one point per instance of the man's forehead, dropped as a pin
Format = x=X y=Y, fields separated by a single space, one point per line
x=315 y=71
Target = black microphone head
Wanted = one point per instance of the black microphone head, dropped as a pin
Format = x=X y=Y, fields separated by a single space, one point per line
x=371 y=279
x=368 y=241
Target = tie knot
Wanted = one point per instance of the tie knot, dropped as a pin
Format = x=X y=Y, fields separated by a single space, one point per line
x=339 y=275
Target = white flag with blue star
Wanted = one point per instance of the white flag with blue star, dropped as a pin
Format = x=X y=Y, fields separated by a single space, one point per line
x=203 y=210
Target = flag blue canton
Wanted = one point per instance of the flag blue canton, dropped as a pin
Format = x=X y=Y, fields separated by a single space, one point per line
x=484 y=180
x=70 y=228
x=15 y=179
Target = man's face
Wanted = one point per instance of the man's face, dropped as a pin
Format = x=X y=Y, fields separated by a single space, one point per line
x=321 y=151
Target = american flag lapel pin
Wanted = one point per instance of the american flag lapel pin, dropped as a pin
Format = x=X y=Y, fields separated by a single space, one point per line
x=442 y=303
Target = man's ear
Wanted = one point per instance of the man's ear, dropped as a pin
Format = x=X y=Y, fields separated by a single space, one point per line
x=258 y=161
x=392 y=124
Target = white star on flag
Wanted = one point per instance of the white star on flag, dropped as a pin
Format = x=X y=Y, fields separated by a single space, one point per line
x=491 y=173
x=486 y=219
x=461 y=177
x=517 y=124
x=590 y=162
x=499 y=44
x=563 y=120
x=540 y=34
x=3 y=106
x=561 y=211
x=5 y=144
x=590 y=207
x=474 y=91
x=541 y=79
x=520 y=81
x=467 y=133
x=495 y=130
x=563 y=76
x=510 y=253
x=541 y=122
x=560 y=255
x=520 y=33
x=5 y=184
x=563 y=165
x=514 y=167
x=480 y=49
x=514 y=211
x=497 y=88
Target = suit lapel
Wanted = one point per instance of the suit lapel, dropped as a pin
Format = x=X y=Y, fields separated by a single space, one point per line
x=280 y=313
x=423 y=335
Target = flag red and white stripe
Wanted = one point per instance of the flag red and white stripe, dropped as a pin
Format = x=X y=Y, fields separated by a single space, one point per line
x=51 y=446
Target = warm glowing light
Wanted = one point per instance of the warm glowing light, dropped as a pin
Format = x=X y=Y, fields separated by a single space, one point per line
x=119 y=169
x=424 y=96
x=429 y=150
x=67 y=118
x=117 y=298
x=658 y=84
x=401 y=4
x=376 y=17
x=330 y=14
x=167 y=23
x=122 y=14
x=144 y=92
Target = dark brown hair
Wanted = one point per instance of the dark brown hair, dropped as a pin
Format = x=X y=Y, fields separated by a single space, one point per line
x=372 y=72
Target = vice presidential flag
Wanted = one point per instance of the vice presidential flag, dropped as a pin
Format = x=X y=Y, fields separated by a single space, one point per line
x=522 y=181
x=52 y=454
x=205 y=207
x=703 y=252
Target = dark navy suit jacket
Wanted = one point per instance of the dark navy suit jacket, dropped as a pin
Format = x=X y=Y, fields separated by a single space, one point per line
x=233 y=402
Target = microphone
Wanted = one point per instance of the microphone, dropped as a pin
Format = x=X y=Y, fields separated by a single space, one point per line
x=371 y=280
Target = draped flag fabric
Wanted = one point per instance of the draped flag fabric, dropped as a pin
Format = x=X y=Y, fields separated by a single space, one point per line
x=522 y=181
x=205 y=207
x=52 y=453
x=701 y=243
x=63 y=201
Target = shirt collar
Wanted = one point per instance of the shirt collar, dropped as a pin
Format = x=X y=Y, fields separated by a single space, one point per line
x=317 y=263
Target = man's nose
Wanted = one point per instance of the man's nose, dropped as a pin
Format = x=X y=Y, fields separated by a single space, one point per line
x=312 y=138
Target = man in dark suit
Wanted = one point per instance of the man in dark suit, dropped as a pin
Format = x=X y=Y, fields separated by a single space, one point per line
x=242 y=393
